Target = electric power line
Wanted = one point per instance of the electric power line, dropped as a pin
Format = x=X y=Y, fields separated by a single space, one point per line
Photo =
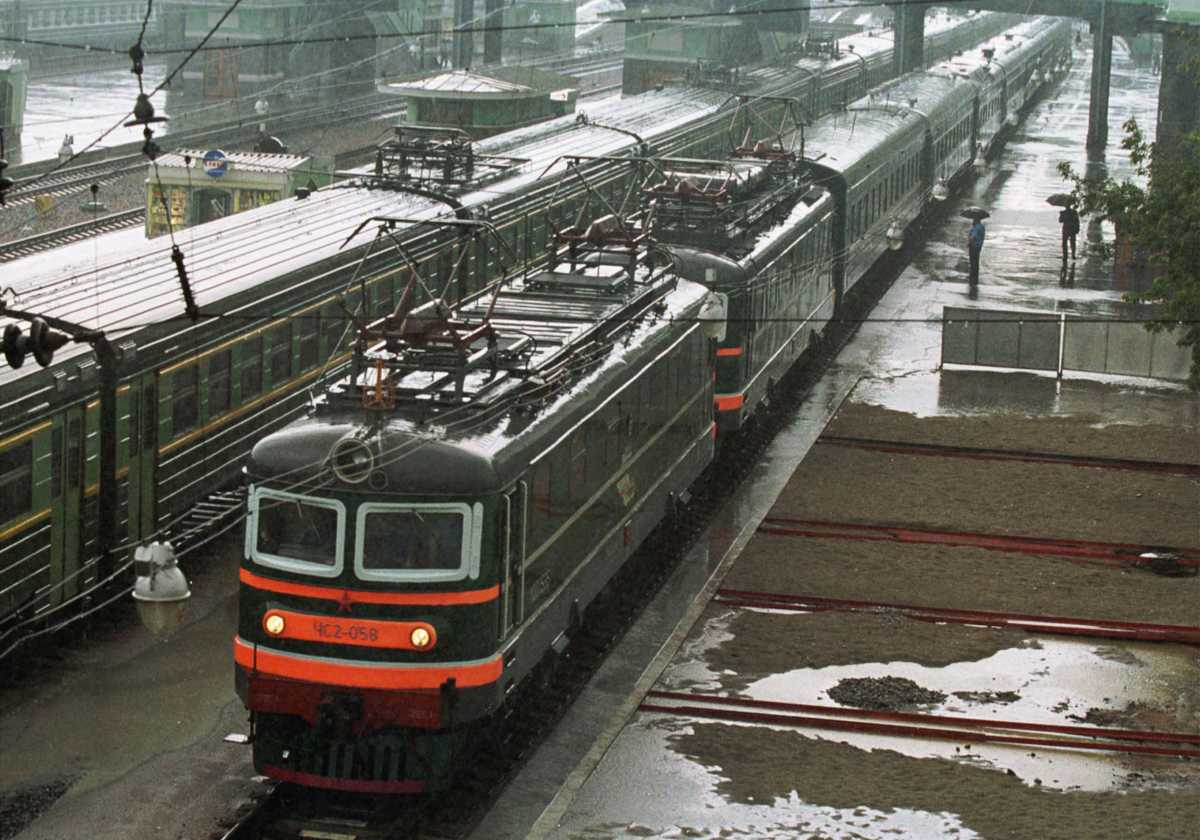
x=687 y=17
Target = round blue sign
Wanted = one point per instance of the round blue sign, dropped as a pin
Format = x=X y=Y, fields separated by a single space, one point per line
x=215 y=164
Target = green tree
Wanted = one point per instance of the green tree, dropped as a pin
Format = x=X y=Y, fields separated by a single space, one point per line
x=1162 y=219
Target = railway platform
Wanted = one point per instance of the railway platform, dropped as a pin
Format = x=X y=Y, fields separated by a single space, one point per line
x=924 y=543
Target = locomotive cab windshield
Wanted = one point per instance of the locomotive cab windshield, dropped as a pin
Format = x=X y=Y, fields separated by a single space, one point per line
x=383 y=541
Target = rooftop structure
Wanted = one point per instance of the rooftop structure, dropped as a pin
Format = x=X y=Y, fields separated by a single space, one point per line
x=485 y=104
x=195 y=186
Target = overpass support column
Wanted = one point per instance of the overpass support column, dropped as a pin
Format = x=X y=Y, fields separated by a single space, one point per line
x=493 y=19
x=1102 y=43
x=910 y=38
x=464 y=38
x=1179 y=88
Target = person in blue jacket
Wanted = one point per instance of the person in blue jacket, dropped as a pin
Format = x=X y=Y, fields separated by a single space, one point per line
x=975 y=237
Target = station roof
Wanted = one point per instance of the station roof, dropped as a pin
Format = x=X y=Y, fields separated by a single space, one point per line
x=498 y=83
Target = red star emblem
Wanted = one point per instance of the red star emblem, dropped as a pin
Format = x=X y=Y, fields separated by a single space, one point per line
x=345 y=602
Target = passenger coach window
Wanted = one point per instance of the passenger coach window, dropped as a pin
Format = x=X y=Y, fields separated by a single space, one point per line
x=218 y=382
x=281 y=355
x=16 y=481
x=298 y=533
x=251 y=368
x=423 y=542
x=185 y=402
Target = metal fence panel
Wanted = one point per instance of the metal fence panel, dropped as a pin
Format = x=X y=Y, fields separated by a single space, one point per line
x=1030 y=341
x=1128 y=350
x=1000 y=338
x=1040 y=337
x=1085 y=346
x=1168 y=359
x=1123 y=349
x=960 y=331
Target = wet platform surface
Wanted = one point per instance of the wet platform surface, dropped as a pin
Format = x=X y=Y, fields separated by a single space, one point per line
x=639 y=774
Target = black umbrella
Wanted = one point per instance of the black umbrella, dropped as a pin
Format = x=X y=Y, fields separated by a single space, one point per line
x=1061 y=199
x=976 y=213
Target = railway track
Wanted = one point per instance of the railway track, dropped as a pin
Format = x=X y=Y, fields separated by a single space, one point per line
x=128 y=158
x=71 y=233
x=899 y=447
x=77 y=178
x=68 y=234
x=1099 y=628
x=105 y=164
x=960 y=729
x=1182 y=559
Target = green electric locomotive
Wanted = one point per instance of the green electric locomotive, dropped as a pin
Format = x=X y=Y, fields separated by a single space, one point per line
x=417 y=545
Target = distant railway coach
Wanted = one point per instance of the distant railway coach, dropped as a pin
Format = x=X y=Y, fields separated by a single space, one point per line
x=757 y=233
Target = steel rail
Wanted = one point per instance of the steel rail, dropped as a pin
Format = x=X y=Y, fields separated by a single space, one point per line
x=1140 y=735
x=909 y=448
x=303 y=116
x=19 y=248
x=912 y=730
x=785 y=526
x=1049 y=624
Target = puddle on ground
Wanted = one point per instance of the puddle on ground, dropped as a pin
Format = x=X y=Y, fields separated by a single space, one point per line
x=1052 y=681
x=989 y=392
x=677 y=798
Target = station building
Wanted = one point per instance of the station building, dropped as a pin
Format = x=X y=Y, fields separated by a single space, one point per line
x=658 y=51
x=193 y=187
x=483 y=104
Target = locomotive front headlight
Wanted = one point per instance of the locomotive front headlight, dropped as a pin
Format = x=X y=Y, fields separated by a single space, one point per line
x=274 y=624
x=420 y=637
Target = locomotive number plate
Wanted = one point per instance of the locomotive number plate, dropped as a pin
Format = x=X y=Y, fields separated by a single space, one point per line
x=348 y=631
x=337 y=630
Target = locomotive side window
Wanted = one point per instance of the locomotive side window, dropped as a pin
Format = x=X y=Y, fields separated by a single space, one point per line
x=297 y=533
x=414 y=542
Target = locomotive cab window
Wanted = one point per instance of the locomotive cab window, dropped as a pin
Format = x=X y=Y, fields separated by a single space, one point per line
x=297 y=533
x=433 y=542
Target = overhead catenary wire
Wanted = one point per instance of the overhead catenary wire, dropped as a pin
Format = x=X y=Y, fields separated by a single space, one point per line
x=683 y=17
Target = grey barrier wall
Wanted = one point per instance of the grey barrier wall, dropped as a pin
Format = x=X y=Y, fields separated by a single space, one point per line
x=1124 y=349
x=1058 y=342
x=1000 y=338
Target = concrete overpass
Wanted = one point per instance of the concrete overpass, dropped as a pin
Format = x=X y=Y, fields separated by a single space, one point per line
x=1177 y=20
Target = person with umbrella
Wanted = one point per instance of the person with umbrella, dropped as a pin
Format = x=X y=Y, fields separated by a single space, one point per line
x=1069 y=219
x=975 y=237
